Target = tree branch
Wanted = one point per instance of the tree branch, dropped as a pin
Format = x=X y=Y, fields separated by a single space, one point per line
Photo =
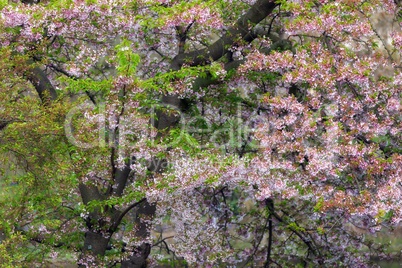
x=242 y=29
x=299 y=234
x=270 y=205
x=42 y=84
x=121 y=216
x=56 y=68
x=164 y=242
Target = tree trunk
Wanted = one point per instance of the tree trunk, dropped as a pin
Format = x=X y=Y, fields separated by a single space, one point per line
x=138 y=258
x=95 y=245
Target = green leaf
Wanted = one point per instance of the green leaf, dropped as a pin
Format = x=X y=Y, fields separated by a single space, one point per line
x=179 y=138
x=127 y=60
x=88 y=84
x=3 y=3
x=318 y=206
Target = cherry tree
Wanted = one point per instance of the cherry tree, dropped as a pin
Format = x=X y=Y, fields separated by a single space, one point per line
x=260 y=131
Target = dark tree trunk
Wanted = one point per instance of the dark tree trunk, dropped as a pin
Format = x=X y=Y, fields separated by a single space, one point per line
x=139 y=257
x=95 y=245
x=42 y=84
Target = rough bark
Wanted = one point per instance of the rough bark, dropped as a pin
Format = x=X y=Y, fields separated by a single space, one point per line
x=120 y=180
x=139 y=257
x=96 y=239
x=95 y=245
x=42 y=84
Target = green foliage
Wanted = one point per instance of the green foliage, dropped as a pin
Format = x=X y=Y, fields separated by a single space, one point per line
x=127 y=60
x=211 y=180
x=386 y=144
x=172 y=262
x=293 y=226
x=383 y=215
x=320 y=230
x=87 y=84
x=3 y=3
x=60 y=4
x=10 y=256
x=318 y=206
x=214 y=69
x=180 y=138
x=102 y=205
x=164 y=82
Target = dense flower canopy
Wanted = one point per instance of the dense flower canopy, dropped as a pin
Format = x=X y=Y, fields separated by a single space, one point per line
x=259 y=131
